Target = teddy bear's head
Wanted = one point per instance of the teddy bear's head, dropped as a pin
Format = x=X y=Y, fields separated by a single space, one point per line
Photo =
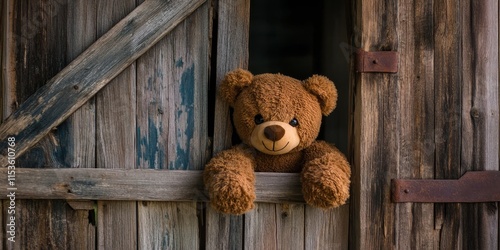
x=277 y=114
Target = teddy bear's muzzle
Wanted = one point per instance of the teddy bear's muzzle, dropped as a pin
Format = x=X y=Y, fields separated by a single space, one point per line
x=274 y=138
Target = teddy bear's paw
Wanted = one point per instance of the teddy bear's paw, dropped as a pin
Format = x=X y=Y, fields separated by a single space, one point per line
x=324 y=184
x=233 y=197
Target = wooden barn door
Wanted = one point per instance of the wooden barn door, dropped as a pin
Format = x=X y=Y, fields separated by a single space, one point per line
x=152 y=113
x=436 y=118
x=104 y=91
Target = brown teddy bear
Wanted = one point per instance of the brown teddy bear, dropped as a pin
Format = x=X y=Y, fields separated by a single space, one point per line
x=278 y=119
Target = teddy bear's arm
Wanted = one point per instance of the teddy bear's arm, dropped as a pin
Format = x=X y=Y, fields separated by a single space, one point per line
x=325 y=176
x=230 y=181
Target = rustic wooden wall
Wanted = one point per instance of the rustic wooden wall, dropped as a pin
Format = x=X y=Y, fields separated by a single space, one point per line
x=153 y=115
x=436 y=118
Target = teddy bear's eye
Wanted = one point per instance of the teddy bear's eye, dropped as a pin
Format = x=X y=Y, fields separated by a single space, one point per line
x=294 y=122
x=259 y=119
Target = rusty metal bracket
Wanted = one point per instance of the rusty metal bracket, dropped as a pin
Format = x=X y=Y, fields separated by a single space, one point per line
x=376 y=61
x=475 y=186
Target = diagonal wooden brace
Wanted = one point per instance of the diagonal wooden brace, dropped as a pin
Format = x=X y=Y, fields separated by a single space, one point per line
x=91 y=71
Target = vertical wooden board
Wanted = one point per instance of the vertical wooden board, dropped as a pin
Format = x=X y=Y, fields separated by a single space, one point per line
x=479 y=115
x=39 y=231
x=38 y=49
x=327 y=229
x=81 y=230
x=378 y=116
x=3 y=59
x=233 y=20
x=116 y=225
x=223 y=231
x=115 y=140
x=3 y=47
x=290 y=229
x=416 y=76
x=165 y=225
x=78 y=131
x=171 y=126
x=79 y=128
x=8 y=59
x=275 y=226
x=447 y=88
x=38 y=53
x=261 y=227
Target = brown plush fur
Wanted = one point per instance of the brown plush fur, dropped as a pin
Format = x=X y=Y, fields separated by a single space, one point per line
x=325 y=173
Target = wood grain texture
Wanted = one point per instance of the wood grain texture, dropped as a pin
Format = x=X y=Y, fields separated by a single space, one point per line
x=327 y=229
x=232 y=34
x=427 y=122
x=168 y=226
x=480 y=134
x=447 y=119
x=171 y=132
x=376 y=155
x=77 y=133
x=139 y=184
x=261 y=228
x=115 y=140
x=37 y=48
x=3 y=56
x=415 y=222
x=91 y=71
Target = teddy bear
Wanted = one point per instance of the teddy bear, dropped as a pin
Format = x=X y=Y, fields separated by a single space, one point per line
x=277 y=119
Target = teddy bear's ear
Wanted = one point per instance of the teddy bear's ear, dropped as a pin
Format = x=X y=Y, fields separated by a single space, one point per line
x=324 y=90
x=233 y=83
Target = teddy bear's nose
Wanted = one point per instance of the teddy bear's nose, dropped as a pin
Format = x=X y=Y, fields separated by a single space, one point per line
x=274 y=132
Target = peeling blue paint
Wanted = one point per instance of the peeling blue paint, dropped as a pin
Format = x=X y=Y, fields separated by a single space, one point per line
x=185 y=116
x=138 y=148
x=148 y=149
x=179 y=63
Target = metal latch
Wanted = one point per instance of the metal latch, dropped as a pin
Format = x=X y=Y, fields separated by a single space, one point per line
x=376 y=61
x=475 y=186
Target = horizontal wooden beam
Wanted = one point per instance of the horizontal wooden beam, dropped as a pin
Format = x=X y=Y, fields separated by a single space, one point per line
x=135 y=185
x=91 y=71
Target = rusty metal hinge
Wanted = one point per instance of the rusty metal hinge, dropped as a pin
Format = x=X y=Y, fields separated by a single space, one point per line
x=376 y=61
x=475 y=186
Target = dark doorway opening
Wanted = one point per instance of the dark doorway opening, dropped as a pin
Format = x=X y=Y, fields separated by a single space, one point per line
x=299 y=40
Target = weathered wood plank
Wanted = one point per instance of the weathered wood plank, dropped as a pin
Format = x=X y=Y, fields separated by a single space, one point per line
x=172 y=132
x=139 y=184
x=261 y=228
x=37 y=49
x=3 y=56
x=327 y=229
x=448 y=93
x=415 y=222
x=479 y=100
x=290 y=226
x=233 y=24
x=115 y=130
x=176 y=225
x=77 y=133
x=92 y=70
x=3 y=66
x=376 y=157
